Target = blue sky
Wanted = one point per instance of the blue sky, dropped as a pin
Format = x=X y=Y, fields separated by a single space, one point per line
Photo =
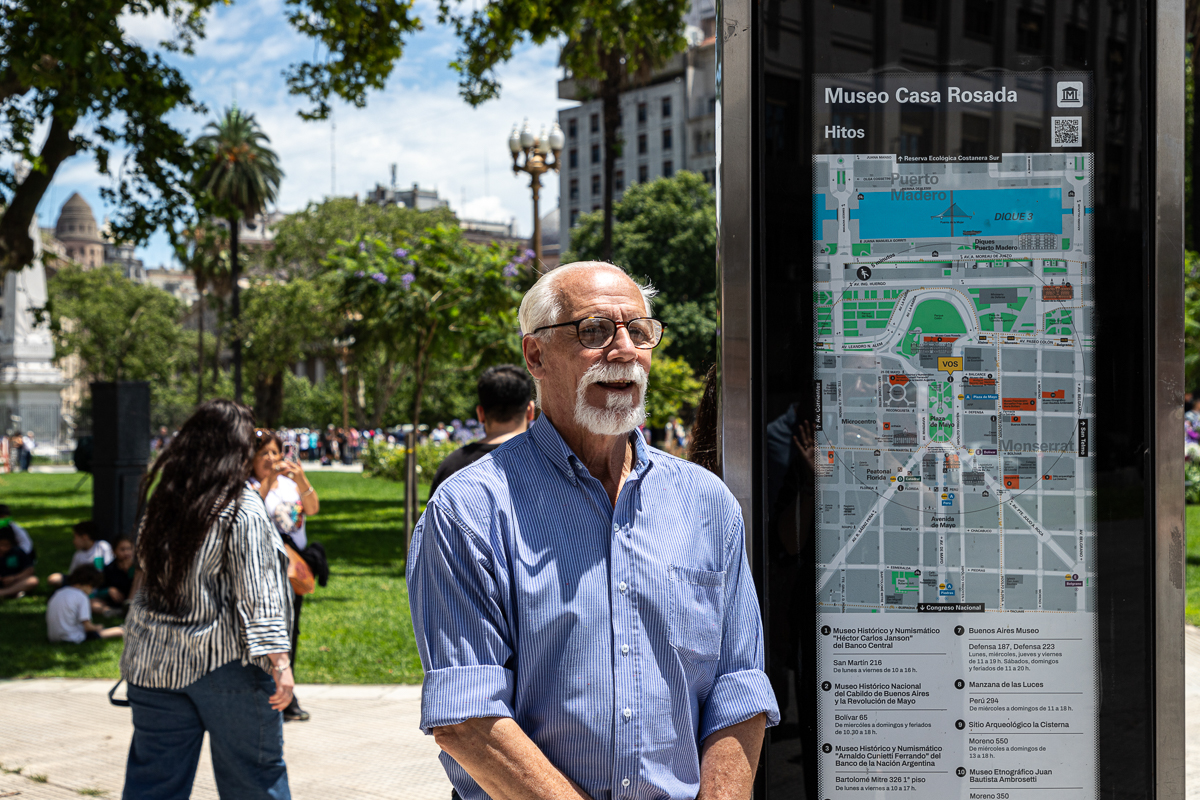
x=417 y=122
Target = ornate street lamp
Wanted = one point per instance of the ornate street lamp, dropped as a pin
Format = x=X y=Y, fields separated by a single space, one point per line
x=535 y=163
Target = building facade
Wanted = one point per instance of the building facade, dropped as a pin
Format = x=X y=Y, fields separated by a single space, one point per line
x=666 y=126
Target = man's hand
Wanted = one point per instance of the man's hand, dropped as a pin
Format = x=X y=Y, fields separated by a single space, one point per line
x=505 y=762
x=729 y=759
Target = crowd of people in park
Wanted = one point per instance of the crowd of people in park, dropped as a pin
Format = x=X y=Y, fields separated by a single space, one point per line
x=211 y=591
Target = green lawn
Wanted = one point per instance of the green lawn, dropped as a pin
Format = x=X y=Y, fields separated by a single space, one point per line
x=356 y=630
x=1193 y=565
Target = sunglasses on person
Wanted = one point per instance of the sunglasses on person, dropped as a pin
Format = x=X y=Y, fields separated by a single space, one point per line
x=596 y=333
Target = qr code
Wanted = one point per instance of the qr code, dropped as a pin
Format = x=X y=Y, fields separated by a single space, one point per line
x=1066 y=131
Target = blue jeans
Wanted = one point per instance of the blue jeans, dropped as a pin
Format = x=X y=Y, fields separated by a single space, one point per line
x=245 y=734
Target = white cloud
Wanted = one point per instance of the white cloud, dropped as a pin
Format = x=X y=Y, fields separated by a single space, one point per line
x=418 y=122
x=484 y=209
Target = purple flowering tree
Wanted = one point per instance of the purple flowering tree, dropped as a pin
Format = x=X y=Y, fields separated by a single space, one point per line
x=434 y=304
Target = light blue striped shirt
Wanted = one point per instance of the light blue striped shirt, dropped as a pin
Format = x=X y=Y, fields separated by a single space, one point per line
x=618 y=639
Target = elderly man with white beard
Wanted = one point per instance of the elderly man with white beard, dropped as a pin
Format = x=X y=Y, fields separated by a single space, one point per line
x=582 y=603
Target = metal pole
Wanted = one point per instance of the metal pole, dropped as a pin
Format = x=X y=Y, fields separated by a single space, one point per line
x=410 y=485
x=536 y=183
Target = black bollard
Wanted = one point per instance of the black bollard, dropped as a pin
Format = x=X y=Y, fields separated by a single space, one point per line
x=121 y=451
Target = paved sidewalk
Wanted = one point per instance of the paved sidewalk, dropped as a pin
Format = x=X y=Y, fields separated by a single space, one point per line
x=362 y=742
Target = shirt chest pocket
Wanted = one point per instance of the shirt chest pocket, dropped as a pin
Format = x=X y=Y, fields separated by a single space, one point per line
x=697 y=612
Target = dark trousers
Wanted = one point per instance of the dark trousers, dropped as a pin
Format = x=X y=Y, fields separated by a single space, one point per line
x=246 y=736
x=297 y=604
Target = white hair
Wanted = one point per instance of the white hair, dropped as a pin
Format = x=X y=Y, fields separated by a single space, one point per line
x=544 y=304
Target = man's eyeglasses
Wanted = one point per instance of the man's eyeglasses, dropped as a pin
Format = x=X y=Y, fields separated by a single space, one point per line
x=596 y=333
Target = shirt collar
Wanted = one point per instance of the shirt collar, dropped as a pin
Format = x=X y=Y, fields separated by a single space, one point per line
x=550 y=442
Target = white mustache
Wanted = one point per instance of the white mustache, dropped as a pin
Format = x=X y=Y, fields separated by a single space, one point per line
x=604 y=372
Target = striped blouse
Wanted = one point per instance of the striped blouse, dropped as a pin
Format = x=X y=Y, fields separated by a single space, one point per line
x=237 y=610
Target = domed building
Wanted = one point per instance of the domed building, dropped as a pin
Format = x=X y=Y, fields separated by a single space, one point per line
x=77 y=230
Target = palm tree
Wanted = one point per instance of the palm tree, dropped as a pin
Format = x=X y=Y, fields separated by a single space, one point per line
x=237 y=175
x=203 y=251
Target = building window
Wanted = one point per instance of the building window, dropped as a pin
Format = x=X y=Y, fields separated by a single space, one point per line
x=920 y=12
x=573 y=128
x=620 y=119
x=643 y=173
x=1075 y=45
x=572 y=158
x=595 y=154
x=574 y=217
x=595 y=185
x=595 y=123
x=641 y=112
x=1029 y=31
x=641 y=144
x=573 y=195
x=978 y=19
x=1027 y=139
x=667 y=139
x=710 y=176
x=975 y=135
x=595 y=208
x=666 y=107
x=619 y=180
x=668 y=169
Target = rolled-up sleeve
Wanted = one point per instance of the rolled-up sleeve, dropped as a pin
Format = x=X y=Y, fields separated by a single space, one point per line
x=741 y=689
x=458 y=618
x=262 y=594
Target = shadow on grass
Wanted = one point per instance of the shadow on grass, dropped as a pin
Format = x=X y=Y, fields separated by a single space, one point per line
x=26 y=652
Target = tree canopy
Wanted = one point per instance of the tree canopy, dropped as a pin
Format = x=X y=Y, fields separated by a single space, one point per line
x=305 y=239
x=72 y=77
x=609 y=47
x=666 y=231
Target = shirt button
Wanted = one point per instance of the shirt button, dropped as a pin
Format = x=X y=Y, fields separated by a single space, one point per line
x=622 y=586
x=625 y=782
x=616 y=527
x=627 y=713
x=624 y=649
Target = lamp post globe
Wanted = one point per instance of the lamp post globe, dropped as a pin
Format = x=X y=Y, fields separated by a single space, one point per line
x=535 y=155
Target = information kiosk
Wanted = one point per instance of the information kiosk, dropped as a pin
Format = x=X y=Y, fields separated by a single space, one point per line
x=951 y=250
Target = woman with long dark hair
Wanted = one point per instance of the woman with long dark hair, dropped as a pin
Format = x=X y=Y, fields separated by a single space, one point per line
x=207 y=635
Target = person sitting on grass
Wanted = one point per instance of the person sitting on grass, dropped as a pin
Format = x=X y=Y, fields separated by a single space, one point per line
x=114 y=595
x=23 y=540
x=69 y=612
x=89 y=549
x=16 y=566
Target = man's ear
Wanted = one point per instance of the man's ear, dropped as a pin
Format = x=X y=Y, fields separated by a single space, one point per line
x=479 y=416
x=534 y=350
x=530 y=411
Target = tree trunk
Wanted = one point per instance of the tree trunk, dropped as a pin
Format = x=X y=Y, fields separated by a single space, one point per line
x=387 y=382
x=216 y=365
x=610 y=94
x=235 y=309
x=268 y=399
x=16 y=248
x=200 y=353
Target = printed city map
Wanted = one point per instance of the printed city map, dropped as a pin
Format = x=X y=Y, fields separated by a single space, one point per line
x=954 y=344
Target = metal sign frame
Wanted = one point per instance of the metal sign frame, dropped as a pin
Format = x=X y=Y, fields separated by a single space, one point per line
x=739 y=182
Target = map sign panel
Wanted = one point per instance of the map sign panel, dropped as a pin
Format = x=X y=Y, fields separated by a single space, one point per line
x=954 y=373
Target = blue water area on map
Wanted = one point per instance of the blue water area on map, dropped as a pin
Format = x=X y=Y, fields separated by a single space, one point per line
x=927 y=212
x=820 y=214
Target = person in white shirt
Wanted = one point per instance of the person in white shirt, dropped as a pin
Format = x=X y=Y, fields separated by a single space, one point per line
x=69 y=612
x=289 y=499
x=89 y=549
